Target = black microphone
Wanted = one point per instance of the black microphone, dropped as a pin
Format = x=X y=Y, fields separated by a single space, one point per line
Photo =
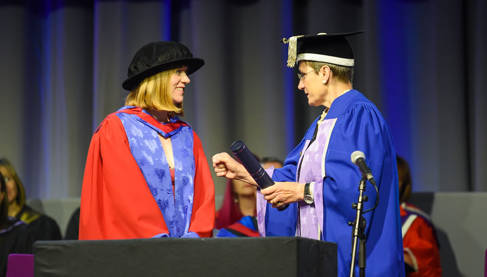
x=358 y=158
x=250 y=162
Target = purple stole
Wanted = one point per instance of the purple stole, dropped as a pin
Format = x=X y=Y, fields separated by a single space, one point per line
x=311 y=169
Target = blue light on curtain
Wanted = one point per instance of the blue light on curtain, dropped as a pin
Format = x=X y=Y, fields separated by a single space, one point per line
x=53 y=110
x=394 y=75
x=166 y=20
x=45 y=91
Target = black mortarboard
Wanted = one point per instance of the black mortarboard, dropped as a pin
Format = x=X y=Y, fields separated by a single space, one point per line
x=322 y=47
x=156 y=57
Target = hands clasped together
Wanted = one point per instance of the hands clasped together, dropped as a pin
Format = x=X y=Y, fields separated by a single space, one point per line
x=280 y=194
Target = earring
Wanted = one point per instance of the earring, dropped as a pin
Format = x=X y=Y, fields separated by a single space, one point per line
x=324 y=82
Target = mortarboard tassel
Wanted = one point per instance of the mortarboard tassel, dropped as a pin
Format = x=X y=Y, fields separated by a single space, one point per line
x=292 y=48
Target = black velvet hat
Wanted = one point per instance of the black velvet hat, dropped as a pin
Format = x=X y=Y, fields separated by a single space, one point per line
x=159 y=56
x=323 y=47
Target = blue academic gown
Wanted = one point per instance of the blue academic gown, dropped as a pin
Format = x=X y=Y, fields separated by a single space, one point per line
x=357 y=125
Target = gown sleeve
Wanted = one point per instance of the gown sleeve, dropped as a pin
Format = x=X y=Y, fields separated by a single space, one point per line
x=116 y=202
x=203 y=214
x=363 y=128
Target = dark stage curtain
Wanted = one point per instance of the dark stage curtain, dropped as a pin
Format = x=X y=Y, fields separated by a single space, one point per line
x=422 y=62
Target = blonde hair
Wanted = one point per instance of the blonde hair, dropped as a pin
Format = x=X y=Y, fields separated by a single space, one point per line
x=153 y=93
x=342 y=73
x=20 y=199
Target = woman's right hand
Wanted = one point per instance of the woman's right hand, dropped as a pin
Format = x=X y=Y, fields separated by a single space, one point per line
x=226 y=166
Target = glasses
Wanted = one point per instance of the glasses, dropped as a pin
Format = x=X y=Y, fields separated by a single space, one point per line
x=302 y=75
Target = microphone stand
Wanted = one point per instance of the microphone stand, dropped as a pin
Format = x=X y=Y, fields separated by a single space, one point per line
x=358 y=231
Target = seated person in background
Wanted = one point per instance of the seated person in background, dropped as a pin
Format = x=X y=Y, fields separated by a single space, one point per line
x=72 y=230
x=14 y=236
x=271 y=161
x=421 y=253
x=236 y=217
x=42 y=227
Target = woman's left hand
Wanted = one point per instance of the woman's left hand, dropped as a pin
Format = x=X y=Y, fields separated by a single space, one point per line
x=282 y=193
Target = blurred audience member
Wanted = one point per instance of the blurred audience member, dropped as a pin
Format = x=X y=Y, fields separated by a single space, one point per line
x=421 y=253
x=72 y=230
x=236 y=217
x=271 y=161
x=14 y=236
x=42 y=227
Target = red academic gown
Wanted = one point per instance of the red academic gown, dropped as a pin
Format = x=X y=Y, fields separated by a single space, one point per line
x=116 y=202
x=419 y=240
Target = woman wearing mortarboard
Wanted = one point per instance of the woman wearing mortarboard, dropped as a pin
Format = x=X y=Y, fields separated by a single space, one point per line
x=318 y=181
x=146 y=174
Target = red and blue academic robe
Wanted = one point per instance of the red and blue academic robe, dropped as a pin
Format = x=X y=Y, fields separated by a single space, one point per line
x=245 y=227
x=420 y=242
x=125 y=197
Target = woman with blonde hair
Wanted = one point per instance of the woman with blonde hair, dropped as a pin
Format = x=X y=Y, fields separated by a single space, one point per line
x=14 y=235
x=42 y=226
x=146 y=174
